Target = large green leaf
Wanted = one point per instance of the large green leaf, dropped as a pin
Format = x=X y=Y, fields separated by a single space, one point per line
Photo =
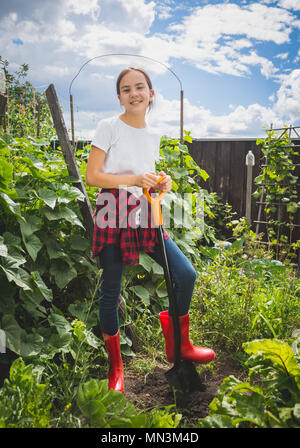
x=89 y=399
x=6 y=172
x=10 y=205
x=59 y=343
x=67 y=193
x=34 y=163
x=146 y=261
x=249 y=404
x=14 y=273
x=105 y=408
x=161 y=289
x=60 y=323
x=40 y=285
x=17 y=340
x=78 y=242
x=157 y=268
x=32 y=303
x=63 y=213
x=62 y=272
x=53 y=249
x=141 y=292
x=8 y=290
x=279 y=352
x=33 y=245
x=3 y=248
x=178 y=172
x=30 y=344
x=14 y=242
x=13 y=332
x=31 y=225
x=49 y=197
x=216 y=421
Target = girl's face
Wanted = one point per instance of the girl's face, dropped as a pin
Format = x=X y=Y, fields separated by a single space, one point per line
x=135 y=94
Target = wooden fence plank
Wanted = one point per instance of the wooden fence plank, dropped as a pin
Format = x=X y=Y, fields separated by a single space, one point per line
x=223 y=169
x=237 y=176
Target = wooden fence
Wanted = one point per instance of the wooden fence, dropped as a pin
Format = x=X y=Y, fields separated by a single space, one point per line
x=225 y=162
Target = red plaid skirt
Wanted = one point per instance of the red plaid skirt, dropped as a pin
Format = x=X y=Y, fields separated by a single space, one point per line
x=115 y=223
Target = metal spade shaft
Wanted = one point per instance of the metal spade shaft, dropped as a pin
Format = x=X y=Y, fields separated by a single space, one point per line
x=183 y=376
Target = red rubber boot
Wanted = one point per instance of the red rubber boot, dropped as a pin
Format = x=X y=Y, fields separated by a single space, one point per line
x=116 y=371
x=201 y=355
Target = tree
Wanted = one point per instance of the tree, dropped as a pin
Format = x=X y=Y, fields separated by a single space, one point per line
x=27 y=112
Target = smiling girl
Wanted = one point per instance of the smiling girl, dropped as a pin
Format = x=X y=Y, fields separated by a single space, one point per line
x=122 y=163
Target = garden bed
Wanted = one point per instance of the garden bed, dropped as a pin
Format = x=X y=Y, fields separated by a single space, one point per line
x=149 y=391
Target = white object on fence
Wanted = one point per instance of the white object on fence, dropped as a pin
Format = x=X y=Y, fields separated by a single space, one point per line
x=250 y=162
x=2 y=81
x=250 y=159
x=2 y=341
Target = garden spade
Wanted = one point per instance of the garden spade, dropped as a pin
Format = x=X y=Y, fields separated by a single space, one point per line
x=183 y=376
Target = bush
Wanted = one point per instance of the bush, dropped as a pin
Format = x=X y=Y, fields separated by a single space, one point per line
x=238 y=299
x=270 y=401
x=25 y=401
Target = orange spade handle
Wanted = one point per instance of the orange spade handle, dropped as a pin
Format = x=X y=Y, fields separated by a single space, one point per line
x=155 y=204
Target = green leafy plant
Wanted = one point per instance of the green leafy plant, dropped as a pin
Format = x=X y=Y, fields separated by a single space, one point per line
x=27 y=111
x=277 y=182
x=44 y=250
x=176 y=161
x=272 y=402
x=110 y=409
x=237 y=299
x=24 y=400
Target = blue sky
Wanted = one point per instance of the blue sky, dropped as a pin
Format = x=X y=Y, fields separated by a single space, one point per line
x=238 y=61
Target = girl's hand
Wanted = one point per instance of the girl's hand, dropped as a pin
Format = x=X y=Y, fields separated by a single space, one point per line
x=147 y=180
x=165 y=184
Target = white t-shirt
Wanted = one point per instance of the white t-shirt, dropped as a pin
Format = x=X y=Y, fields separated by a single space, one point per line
x=128 y=150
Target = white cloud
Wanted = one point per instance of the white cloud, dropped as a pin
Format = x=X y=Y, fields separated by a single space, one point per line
x=267 y=67
x=297 y=58
x=288 y=95
x=86 y=7
x=255 y=21
x=56 y=71
x=215 y=38
x=203 y=123
x=290 y=4
x=127 y=15
x=164 y=12
x=282 y=56
x=219 y=38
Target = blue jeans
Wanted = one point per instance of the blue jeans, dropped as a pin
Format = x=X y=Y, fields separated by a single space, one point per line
x=182 y=272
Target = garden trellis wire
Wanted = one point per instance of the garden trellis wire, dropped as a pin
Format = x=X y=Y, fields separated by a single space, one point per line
x=131 y=55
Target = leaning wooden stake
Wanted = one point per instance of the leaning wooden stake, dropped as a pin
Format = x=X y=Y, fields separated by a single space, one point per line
x=63 y=137
x=3 y=101
x=85 y=206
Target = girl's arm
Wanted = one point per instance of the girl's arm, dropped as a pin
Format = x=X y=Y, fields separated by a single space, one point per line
x=96 y=178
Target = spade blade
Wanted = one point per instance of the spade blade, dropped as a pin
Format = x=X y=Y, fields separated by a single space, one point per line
x=184 y=377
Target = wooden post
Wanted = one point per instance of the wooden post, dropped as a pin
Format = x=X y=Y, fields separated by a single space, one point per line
x=250 y=161
x=72 y=120
x=181 y=116
x=38 y=119
x=73 y=170
x=3 y=102
x=69 y=156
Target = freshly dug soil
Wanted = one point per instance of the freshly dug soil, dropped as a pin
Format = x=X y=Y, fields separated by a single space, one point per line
x=148 y=391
